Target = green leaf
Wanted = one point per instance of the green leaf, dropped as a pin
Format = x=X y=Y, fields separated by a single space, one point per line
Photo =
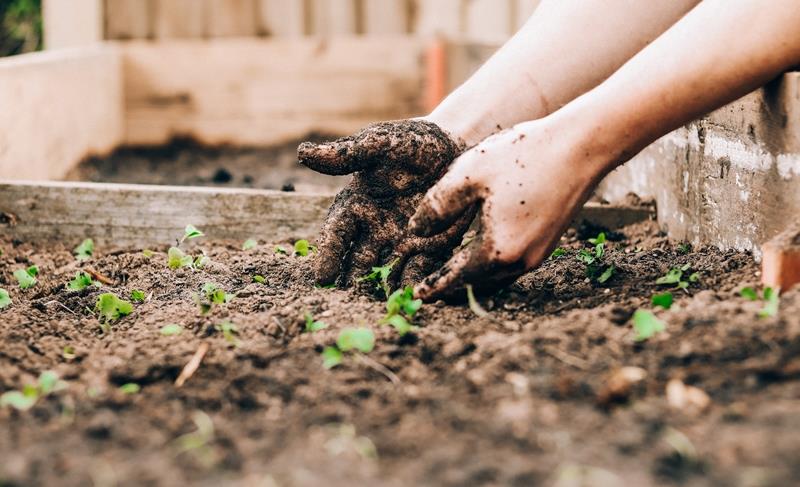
x=558 y=253
x=191 y=232
x=85 y=250
x=646 y=325
x=81 y=281
x=130 y=388
x=229 y=332
x=380 y=276
x=5 y=299
x=148 y=253
x=200 y=261
x=303 y=248
x=177 y=259
x=249 y=244
x=361 y=339
x=171 y=330
x=259 y=279
x=474 y=305
x=280 y=249
x=68 y=353
x=33 y=271
x=749 y=293
x=18 y=400
x=399 y=323
x=684 y=248
x=111 y=307
x=137 y=296
x=331 y=357
x=49 y=383
x=772 y=300
x=586 y=257
x=664 y=300
x=402 y=301
x=25 y=279
x=694 y=277
x=606 y=275
x=601 y=239
x=672 y=277
x=312 y=325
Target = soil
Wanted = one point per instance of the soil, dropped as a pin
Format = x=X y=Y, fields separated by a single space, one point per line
x=520 y=397
x=186 y=162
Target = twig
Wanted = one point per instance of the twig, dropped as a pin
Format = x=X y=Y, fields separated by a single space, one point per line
x=379 y=367
x=62 y=305
x=193 y=364
x=568 y=359
x=98 y=277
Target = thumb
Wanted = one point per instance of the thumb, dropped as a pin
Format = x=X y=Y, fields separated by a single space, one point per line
x=444 y=203
x=335 y=158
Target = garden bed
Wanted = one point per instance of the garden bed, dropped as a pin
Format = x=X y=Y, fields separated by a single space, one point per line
x=521 y=397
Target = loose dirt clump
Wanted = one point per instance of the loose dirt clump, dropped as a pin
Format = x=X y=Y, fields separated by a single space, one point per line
x=532 y=394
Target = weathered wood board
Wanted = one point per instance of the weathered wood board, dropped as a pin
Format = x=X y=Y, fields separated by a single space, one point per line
x=282 y=18
x=257 y=92
x=128 y=19
x=139 y=215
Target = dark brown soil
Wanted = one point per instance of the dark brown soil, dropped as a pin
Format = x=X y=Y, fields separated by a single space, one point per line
x=509 y=399
x=185 y=162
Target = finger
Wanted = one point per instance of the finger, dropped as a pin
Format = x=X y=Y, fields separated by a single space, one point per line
x=448 y=199
x=363 y=257
x=452 y=276
x=334 y=241
x=336 y=158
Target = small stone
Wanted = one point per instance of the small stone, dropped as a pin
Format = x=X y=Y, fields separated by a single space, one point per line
x=688 y=399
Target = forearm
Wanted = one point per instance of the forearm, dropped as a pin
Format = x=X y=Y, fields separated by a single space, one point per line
x=565 y=49
x=719 y=52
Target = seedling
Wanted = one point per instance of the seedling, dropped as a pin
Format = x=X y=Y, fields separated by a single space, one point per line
x=81 y=281
x=280 y=249
x=68 y=352
x=313 y=325
x=111 y=307
x=26 y=277
x=26 y=398
x=558 y=253
x=148 y=253
x=380 y=276
x=138 y=296
x=400 y=309
x=177 y=259
x=676 y=276
x=249 y=244
x=191 y=232
x=663 y=299
x=130 y=388
x=229 y=332
x=770 y=296
x=601 y=239
x=350 y=340
x=595 y=268
x=646 y=325
x=85 y=250
x=259 y=279
x=198 y=442
x=303 y=248
x=684 y=248
x=211 y=295
x=5 y=299
x=200 y=261
x=171 y=330
x=474 y=305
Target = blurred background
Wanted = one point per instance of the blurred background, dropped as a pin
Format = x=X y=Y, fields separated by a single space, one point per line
x=20 y=26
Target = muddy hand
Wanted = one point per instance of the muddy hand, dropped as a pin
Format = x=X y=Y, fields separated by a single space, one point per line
x=529 y=185
x=394 y=164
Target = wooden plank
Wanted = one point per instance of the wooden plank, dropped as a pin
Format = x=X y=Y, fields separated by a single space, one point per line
x=179 y=19
x=231 y=18
x=255 y=91
x=282 y=18
x=439 y=18
x=140 y=215
x=780 y=261
x=330 y=18
x=57 y=108
x=489 y=21
x=128 y=19
x=385 y=17
x=72 y=23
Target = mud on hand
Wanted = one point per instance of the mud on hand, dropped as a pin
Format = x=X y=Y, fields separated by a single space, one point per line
x=393 y=165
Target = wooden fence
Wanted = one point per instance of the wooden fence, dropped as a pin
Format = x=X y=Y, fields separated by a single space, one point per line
x=473 y=20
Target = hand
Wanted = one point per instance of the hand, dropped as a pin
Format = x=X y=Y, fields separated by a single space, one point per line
x=530 y=181
x=394 y=163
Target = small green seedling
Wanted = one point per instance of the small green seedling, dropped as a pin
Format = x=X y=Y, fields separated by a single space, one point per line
x=303 y=248
x=474 y=305
x=200 y=261
x=770 y=296
x=663 y=299
x=600 y=239
x=130 y=388
x=177 y=259
x=26 y=277
x=595 y=268
x=380 y=276
x=81 y=281
x=138 y=296
x=676 y=276
x=191 y=232
x=68 y=353
x=350 y=340
x=249 y=244
x=212 y=295
x=684 y=248
x=400 y=310
x=558 y=253
x=749 y=293
x=312 y=325
x=259 y=279
x=148 y=253
x=85 y=250
x=229 y=332
x=171 y=330
x=5 y=299
x=26 y=398
x=198 y=442
x=111 y=307
x=281 y=250
x=646 y=325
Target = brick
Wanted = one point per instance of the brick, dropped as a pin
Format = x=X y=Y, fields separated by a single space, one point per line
x=780 y=264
